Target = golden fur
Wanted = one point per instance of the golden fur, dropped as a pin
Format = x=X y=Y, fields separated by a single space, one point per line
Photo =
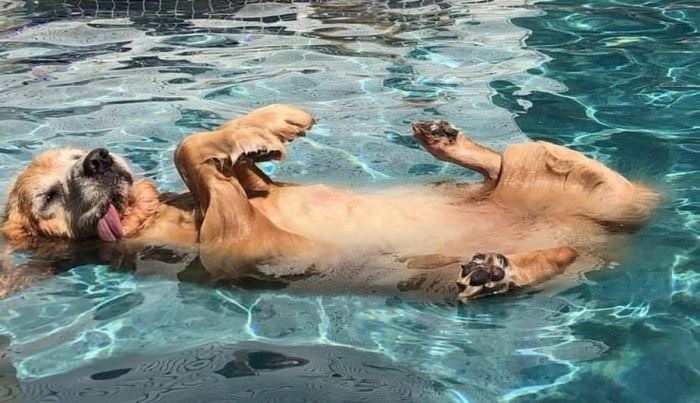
x=540 y=204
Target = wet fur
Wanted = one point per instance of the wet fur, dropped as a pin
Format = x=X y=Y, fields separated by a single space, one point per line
x=76 y=201
x=540 y=204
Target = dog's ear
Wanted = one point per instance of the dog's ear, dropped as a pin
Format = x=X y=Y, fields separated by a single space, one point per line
x=16 y=226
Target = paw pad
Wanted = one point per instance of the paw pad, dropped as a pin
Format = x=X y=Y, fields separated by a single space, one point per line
x=484 y=274
x=436 y=128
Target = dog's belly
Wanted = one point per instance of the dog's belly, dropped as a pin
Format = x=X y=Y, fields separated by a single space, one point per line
x=408 y=242
x=375 y=220
x=418 y=221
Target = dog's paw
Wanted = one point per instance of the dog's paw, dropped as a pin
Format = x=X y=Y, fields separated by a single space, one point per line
x=253 y=144
x=437 y=136
x=283 y=121
x=485 y=274
x=291 y=121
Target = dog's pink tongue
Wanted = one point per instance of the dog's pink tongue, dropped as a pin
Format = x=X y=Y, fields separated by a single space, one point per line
x=109 y=227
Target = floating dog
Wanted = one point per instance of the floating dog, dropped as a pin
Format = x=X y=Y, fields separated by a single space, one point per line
x=539 y=207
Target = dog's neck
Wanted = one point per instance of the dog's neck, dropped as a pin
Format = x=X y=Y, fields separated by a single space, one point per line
x=142 y=207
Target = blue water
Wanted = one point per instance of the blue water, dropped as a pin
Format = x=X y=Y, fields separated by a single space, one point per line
x=617 y=80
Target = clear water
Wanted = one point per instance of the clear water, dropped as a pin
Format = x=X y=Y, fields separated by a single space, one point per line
x=618 y=80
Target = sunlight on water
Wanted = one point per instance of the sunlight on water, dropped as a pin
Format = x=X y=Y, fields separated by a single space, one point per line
x=139 y=84
x=610 y=79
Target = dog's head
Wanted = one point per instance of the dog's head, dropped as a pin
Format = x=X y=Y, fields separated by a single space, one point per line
x=69 y=193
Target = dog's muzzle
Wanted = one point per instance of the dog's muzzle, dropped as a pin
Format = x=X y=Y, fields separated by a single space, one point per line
x=100 y=165
x=97 y=162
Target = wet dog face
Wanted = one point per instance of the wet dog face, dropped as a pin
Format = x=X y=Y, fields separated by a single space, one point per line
x=68 y=193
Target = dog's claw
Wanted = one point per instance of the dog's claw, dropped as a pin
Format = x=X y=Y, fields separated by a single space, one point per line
x=262 y=155
x=265 y=156
x=254 y=147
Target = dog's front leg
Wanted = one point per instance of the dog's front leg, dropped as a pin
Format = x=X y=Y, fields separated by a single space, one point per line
x=226 y=220
x=202 y=160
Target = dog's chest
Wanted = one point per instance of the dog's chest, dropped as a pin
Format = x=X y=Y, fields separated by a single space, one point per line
x=171 y=226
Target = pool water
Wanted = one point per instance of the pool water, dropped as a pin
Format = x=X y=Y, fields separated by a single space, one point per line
x=618 y=80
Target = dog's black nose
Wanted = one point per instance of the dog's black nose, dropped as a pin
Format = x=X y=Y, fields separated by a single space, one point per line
x=97 y=162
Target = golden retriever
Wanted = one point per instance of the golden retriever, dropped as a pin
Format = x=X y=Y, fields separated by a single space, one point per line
x=539 y=207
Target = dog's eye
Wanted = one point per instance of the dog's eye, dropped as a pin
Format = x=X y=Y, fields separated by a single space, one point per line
x=77 y=156
x=51 y=195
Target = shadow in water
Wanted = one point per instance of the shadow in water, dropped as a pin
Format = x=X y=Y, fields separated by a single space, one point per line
x=251 y=372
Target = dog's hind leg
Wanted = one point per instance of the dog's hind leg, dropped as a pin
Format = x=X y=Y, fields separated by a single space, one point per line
x=493 y=273
x=447 y=143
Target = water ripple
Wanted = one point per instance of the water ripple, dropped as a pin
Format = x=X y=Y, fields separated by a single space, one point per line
x=614 y=80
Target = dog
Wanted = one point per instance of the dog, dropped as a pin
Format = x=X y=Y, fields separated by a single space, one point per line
x=539 y=208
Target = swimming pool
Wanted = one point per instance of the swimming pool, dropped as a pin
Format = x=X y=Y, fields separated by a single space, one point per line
x=613 y=79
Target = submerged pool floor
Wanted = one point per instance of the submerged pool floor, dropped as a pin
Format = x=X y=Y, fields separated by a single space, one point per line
x=617 y=80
